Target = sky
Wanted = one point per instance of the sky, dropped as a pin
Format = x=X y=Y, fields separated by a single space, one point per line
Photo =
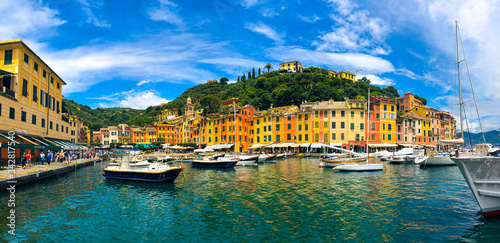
x=142 y=53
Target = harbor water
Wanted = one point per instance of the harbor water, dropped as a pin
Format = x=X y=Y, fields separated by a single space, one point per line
x=291 y=200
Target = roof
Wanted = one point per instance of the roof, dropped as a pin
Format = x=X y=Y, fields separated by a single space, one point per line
x=19 y=41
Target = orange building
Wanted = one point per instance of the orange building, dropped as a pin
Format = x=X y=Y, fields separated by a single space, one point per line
x=166 y=132
x=408 y=102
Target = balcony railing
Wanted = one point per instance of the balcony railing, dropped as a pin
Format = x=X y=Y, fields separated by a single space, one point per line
x=9 y=93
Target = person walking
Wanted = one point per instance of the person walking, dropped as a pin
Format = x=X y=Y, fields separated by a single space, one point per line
x=23 y=160
x=42 y=157
x=28 y=159
x=49 y=157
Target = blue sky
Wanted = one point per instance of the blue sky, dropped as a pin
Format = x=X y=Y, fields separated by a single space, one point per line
x=141 y=53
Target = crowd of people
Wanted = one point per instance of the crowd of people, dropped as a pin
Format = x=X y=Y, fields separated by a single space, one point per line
x=59 y=157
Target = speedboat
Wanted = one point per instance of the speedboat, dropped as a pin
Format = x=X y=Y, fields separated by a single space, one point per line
x=269 y=158
x=142 y=171
x=482 y=176
x=281 y=156
x=360 y=167
x=327 y=161
x=247 y=159
x=221 y=162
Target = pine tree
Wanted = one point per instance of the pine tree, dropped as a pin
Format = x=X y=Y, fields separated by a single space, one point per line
x=259 y=71
x=249 y=75
x=238 y=79
x=243 y=79
x=253 y=73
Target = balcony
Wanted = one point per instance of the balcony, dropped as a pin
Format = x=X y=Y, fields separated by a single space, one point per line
x=7 y=92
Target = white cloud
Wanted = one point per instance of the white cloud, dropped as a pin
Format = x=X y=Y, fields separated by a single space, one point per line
x=269 y=12
x=88 y=7
x=132 y=99
x=143 y=82
x=249 y=3
x=375 y=80
x=354 y=30
x=266 y=30
x=157 y=58
x=309 y=19
x=165 y=12
x=25 y=18
x=346 y=61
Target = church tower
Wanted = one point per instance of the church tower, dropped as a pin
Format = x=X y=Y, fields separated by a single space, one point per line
x=189 y=107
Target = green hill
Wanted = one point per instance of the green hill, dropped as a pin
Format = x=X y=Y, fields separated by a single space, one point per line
x=263 y=91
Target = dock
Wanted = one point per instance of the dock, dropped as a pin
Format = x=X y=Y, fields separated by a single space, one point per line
x=41 y=172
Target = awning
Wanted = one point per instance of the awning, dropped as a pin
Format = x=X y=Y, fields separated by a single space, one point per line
x=165 y=145
x=452 y=141
x=336 y=144
x=381 y=145
x=30 y=145
x=284 y=145
x=295 y=145
x=256 y=146
x=428 y=145
x=3 y=72
x=316 y=145
x=203 y=150
x=272 y=145
x=66 y=145
x=305 y=145
x=408 y=145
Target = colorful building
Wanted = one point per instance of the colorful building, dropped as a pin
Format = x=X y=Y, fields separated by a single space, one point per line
x=292 y=66
x=165 y=132
x=356 y=112
x=408 y=102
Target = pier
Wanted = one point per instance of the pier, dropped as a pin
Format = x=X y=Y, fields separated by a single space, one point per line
x=40 y=172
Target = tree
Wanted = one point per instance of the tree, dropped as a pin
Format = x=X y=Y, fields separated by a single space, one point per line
x=253 y=72
x=249 y=75
x=243 y=79
x=259 y=71
x=268 y=66
x=393 y=91
x=424 y=101
x=238 y=79
x=283 y=71
x=224 y=80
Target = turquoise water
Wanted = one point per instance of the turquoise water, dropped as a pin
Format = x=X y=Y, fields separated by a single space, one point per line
x=291 y=200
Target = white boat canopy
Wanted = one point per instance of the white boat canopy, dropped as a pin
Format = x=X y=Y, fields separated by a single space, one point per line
x=452 y=141
x=305 y=145
x=381 y=145
x=316 y=145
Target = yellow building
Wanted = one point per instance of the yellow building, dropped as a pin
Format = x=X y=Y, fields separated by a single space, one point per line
x=330 y=123
x=388 y=115
x=292 y=66
x=213 y=81
x=427 y=113
x=341 y=74
x=30 y=93
x=356 y=112
x=165 y=132
x=305 y=123
x=168 y=113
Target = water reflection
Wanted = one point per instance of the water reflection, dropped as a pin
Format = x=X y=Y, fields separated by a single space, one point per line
x=291 y=200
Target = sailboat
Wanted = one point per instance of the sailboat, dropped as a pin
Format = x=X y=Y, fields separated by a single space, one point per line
x=367 y=166
x=480 y=172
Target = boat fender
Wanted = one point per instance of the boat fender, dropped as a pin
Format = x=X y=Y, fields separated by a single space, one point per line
x=431 y=153
x=182 y=167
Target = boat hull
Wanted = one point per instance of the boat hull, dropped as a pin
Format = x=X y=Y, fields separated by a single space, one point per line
x=337 y=162
x=214 y=164
x=360 y=167
x=481 y=174
x=168 y=175
x=438 y=161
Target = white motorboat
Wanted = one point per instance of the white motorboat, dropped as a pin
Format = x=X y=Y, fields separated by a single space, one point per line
x=269 y=158
x=360 y=167
x=244 y=159
x=420 y=159
x=483 y=177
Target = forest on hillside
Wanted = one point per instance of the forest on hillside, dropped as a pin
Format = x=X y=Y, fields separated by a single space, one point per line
x=261 y=89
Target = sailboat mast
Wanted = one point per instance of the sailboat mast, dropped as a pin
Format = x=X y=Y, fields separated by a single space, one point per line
x=368 y=124
x=459 y=84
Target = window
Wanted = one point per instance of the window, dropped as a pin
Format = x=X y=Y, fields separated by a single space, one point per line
x=342 y=113
x=316 y=124
x=383 y=126
x=44 y=74
x=277 y=119
x=362 y=114
x=35 y=67
x=23 y=116
x=362 y=126
x=334 y=125
x=300 y=128
x=378 y=115
x=325 y=137
x=258 y=139
x=305 y=127
x=306 y=137
x=269 y=128
x=306 y=117
x=257 y=121
x=352 y=126
x=50 y=126
x=389 y=127
x=300 y=137
x=0 y=109
x=352 y=113
x=289 y=126
x=333 y=113
x=373 y=126
x=289 y=136
x=25 y=88
x=342 y=125
x=289 y=118
x=342 y=136
x=393 y=116
x=7 y=59
x=277 y=138
x=58 y=107
x=373 y=137
x=26 y=58
x=384 y=115
x=269 y=138
x=43 y=122
x=52 y=81
x=385 y=107
x=383 y=136
x=392 y=108
x=258 y=130
x=265 y=128
x=277 y=127
x=334 y=136
x=12 y=113
x=35 y=93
